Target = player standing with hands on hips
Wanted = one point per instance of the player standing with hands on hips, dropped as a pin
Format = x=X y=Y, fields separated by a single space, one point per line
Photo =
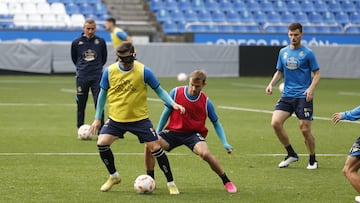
x=296 y=63
x=189 y=129
x=124 y=85
x=352 y=163
x=89 y=55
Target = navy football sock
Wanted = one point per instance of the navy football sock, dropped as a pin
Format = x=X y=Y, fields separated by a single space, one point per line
x=163 y=163
x=107 y=157
x=290 y=151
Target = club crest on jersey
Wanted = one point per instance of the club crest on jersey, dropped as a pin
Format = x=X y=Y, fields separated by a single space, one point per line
x=80 y=43
x=301 y=54
x=89 y=55
x=96 y=41
x=292 y=63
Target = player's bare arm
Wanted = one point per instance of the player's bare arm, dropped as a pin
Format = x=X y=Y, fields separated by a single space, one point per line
x=310 y=91
x=275 y=79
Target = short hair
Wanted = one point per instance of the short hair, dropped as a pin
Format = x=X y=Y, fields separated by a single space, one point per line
x=125 y=47
x=111 y=19
x=198 y=75
x=89 y=21
x=295 y=26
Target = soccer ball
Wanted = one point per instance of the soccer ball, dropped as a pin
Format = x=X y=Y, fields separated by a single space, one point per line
x=83 y=132
x=181 y=77
x=144 y=184
x=281 y=87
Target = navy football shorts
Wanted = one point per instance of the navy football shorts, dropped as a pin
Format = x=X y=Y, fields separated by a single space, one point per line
x=355 y=149
x=302 y=108
x=143 y=129
x=176 y=139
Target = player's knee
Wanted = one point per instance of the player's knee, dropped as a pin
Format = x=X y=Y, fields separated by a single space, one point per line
x=346 y=171
x=305 y=129
x=276 y=125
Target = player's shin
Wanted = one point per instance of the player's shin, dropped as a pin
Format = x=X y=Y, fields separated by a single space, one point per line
x=163 y=163
x=107 y=157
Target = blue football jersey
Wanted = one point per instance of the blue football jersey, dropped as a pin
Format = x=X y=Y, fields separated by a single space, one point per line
x=297 y=66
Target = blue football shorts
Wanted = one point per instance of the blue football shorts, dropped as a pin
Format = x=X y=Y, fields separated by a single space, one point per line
x=355 y=149
x=143 y=129
x=302 y=108
x=176 y=139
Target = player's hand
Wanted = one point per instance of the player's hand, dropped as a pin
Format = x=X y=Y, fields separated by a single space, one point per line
x=95 y=126
x=268 y=89
x=228 y=148
x=336 y=117
x=309 y=95
x=179 y=107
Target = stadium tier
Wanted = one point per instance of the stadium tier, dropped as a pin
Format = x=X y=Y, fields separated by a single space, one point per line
x=49 y=14
x=259 y=16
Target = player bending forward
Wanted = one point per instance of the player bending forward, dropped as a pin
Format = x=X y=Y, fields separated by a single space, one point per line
x=124 y=84
x=189 y=128
x=352 y=163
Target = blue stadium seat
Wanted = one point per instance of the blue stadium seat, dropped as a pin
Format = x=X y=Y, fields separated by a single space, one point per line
x=287 y=17
x=100 y=10
x=218 y=16
x=79 y=1
x=177 y=15
x=204 y=16
x=307 y=6
x=276 y=29
x=239 y=6
x=232 y=16
x=198 y=5
x=184 y=5
x=190 y=15
x=280 y=6
x=266 y=6
x=293 y=6
x=336 y=29
x=323 y=29
x=342 y=18
x=72 y=8
x=309 y=29
x=162 y=15
x=155 y=5
x=7 y=21
x=273 y=17
x=239 y=28
x=246 y=17
x=225 y=5
x=355 y=18
x=260 y=17
x=301 y=17
x=348 y=6
x=328 y=17
x=211 y=28
x=169 y=27
x=334 y=6
x=93 y=2
x=196 y=28
x=253 y=29
x=252 y=5
x=181 y=26
x=225 y=28
x=211 y=5
x=65 y=2
x=320 y=6
x=170 y=5
x=315 y=17
x=86 y=9
x=352 y=30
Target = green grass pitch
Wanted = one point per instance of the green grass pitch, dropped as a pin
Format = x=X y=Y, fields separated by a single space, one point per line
x=43 y=161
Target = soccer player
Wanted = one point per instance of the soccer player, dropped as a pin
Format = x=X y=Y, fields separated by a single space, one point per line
x=296 y=63
x=117 y=34
x=352 y=163
x=124 y=85
x=89 y=55
x=189 y=128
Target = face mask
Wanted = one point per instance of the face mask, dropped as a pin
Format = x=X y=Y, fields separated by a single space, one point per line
x=127 y=59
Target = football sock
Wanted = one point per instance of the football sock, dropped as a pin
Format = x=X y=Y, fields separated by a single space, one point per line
x=224 y=178
x=312 y=159
x=107 y=157
x=290 y=150
x=115 y=175
x=163 y=163
x=151 y=173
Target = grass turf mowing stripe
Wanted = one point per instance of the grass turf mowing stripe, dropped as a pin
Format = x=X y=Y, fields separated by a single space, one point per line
x=76 y=154
x=281 y=155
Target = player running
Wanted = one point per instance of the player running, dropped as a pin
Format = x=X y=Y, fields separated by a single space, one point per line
x=295 y=62
x=89 y=55
x=117 y=34
x=352 y=163
x=124 y=85
x=189 y=128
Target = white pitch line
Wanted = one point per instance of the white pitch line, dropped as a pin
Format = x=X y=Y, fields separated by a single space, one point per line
x=270 y=112
x=68 y=90
x=349 y=93
x=276 y=155
x=76 y=154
